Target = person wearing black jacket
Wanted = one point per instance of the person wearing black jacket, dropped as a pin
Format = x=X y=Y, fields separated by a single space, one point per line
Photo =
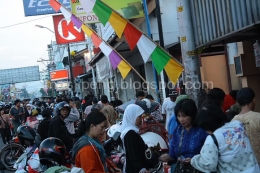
x=58 y=127
x=133 y=144
x=44 y=125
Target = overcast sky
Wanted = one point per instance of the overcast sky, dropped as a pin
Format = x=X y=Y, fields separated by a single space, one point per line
x=23 y=44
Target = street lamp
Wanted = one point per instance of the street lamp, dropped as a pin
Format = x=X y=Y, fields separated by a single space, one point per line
x=40 y=26
x=69 y=59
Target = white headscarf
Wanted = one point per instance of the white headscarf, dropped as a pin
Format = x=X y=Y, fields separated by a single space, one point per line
x=132 y=111
x=29 y=111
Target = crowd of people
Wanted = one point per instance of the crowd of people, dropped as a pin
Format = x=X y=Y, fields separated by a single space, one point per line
x=221 y=135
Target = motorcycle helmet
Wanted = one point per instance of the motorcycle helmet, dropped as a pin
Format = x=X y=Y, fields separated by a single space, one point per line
x=26 y=135
x=62 y=105
x=7 y=109
x=34 y=112
x=52 y=150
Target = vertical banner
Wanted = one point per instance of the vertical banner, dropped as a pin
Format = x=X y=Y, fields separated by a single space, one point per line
x=103 y=69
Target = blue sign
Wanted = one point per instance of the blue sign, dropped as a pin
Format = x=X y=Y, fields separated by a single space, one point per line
x=41 y=7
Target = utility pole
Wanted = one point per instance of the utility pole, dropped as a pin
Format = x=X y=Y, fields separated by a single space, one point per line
x=71 y=72
x=161 y=39
x=190 y=61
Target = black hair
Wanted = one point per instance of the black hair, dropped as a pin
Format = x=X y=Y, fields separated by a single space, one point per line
x=187 y=107
x=233 y=94
x=104 y=99
x=230 y=115
x=58 y=100
x=216 y=94
x=139 y=94
x=94 y=100
x=149 y=97
x=89 y=102
x=86 y=98
x=245 y=96
x=211 y=117
x=46 y=113
x=118 y=103
x=68 y=100
x=17 y=101
x=94 y=118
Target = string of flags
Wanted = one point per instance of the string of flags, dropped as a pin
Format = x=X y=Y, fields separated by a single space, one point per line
x=135 y=37
x=114 y=57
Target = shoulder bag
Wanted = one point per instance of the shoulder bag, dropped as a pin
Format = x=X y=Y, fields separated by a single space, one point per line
x=181 y=167
x=7 y=126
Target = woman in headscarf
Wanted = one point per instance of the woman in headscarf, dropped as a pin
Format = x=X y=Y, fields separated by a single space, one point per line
x=28 y=112
x=134 y=145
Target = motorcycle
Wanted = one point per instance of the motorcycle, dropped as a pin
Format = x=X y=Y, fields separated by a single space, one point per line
x=11 y=152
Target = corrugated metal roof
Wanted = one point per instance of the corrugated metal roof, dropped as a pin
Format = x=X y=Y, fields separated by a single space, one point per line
x=214 y=19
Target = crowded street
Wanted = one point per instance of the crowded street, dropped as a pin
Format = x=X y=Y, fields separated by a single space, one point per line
x=130 y=86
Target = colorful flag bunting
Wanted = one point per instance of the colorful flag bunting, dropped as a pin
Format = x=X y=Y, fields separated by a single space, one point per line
x=132 y=35
x=147 y=47
x=105 y=49
x=102 y=11
x=76 y=21
x=96 y=40
x=55 y=5
x=66 y=13
x=115 y=60
x=135 y=37
x=118 y=23
x=86 y=30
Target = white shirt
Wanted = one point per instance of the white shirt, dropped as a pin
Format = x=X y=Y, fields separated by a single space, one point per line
x=168 y=109
x=234 y=154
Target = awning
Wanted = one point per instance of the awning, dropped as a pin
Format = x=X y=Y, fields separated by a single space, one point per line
x=85 y=74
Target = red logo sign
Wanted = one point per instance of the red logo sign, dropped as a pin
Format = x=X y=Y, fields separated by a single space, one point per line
x=59 y=75
x=66 y=32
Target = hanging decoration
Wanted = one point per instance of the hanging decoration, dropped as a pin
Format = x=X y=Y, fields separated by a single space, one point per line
x=135 y=37
x=114 y=57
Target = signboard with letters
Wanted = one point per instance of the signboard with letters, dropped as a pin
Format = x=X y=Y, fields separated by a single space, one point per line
x=78 y=10
x=61 y=86
x=59 y=75
x=66 y=32
x=19 y=75
x=41 y=7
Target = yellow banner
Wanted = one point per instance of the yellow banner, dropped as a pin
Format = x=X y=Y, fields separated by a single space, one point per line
x=129 y=9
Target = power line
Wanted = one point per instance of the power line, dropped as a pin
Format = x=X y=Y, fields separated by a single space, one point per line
x=22 y=23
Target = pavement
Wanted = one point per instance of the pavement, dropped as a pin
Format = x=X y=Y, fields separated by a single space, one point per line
x=1 y=145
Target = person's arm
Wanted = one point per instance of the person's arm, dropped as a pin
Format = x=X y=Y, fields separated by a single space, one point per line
x=207 y=160
x=73 y=116
x=12 y=114
x=133 y=150
x=87 y=159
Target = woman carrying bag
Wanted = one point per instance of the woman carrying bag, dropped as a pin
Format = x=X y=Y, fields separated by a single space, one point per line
x=187 y=138
x=88 y=151
x=5 y=126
